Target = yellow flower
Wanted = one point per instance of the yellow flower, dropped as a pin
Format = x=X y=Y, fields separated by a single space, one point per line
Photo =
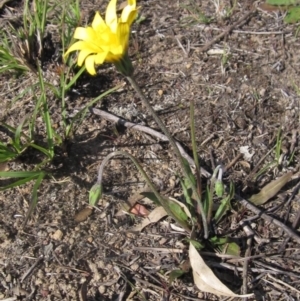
x=105 y=41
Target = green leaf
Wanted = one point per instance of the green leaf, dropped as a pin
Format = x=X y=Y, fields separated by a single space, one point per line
x=6 y=154
x=222 y=209
x=217 y=241
x=95 y=194
x=231 y=248
x=197 y=244
x=225 y=245
x=18 y=174
x=179 y=213
x=34 y=196
x=151 y=196
x=293 y=15
x=189 y=172
x=283 y=2
x=175 y=274
x=219 y=188
x=186 y=192
x=207 y=200
x=26 y=175
x=224 y=205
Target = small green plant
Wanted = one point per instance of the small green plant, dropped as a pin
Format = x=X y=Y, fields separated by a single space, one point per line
x=196 y=14
x=23 y=52
x=278 y=156
x=223 y=11
x=292 y=8
x=187 y=212
x=9 y=60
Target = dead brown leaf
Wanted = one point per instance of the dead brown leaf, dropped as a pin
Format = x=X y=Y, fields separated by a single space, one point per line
x=270 y=190
x=205 y=279
x=83 y=214
x=157 y=214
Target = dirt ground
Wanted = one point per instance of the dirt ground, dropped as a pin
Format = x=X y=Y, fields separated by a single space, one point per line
x=246 y=88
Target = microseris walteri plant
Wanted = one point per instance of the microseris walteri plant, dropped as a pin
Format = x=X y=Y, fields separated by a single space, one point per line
x=106 y=40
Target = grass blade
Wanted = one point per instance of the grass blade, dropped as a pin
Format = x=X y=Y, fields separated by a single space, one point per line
x=34 y=197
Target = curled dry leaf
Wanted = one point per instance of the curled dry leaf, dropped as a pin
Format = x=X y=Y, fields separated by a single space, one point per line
x=270 y=190
x=157 y=214
x=205 y=279
x=139 y=210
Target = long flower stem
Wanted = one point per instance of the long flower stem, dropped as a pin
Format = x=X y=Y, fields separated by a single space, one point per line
x=174 y=146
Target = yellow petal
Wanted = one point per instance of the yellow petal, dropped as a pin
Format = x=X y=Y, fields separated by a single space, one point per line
x=130 y=16
x=129 y=12
x=100 y=58
x=98 y=22
x=123 y=34
x=83 y=54
x=117 y=50
x=74 y=47
x=85 y=45
x=111 y=18
x=90 y=64
x=81 y=33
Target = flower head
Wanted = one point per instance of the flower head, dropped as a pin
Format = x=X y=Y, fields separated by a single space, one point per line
x=105 y=40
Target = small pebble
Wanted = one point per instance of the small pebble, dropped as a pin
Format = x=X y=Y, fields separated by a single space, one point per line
x=102 y=289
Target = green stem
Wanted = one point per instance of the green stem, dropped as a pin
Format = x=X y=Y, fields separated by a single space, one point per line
x=211 y=192
x=197 y=164
x=162 y=201
x=174 y=146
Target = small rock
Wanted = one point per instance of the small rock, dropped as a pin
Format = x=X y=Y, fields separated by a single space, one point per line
x=57 y=235
x=134 y=267
x=102 y=289
x=8 y=278
x=262 y=92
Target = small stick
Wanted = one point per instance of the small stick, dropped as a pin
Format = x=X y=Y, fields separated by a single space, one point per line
x=245 y=267
x=268 y=218
x=29 y=271
x=296 y=221
x=238 y=157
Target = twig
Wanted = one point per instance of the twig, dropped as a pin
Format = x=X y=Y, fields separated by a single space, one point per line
x=296 y=220
x=268 y=218
x=239 y=23
x=29 y=271
x=233 y=162
x=252 y=32
x=145 y=129
x=258 y=32
x=284 y=284
x=245 y=267
x=265 y=269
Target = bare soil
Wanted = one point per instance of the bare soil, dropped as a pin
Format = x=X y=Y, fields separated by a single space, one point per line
x=245 y=87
